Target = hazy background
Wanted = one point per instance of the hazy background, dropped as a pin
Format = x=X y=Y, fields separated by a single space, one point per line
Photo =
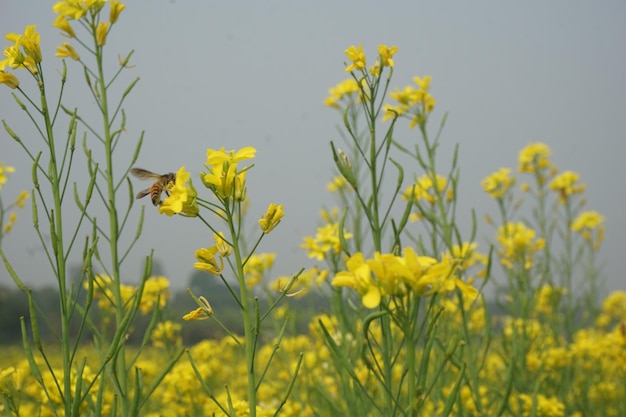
x=234 y=74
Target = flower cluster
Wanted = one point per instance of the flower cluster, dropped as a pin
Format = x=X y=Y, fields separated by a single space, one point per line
x=326 y=242
x=25 y=52
x=223 y=176
x=518 y=245
x=414 y=103
x=498 y=183
x=182 y=198
x=397 y=276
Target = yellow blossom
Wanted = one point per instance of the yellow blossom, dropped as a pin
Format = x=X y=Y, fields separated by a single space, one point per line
x=9 y=79
x=534 y=157
x=518 y=244
x=386 y=54
x=101 y=33
x=567 y=184
x=590 y=225
x=222 y=245
x=67 y=50
x=4 y=170
x=498 y=183
x=116 y=8
x=337 y=183
x=208 y=262
x=62 y=23
x=22 y=198
x=359 y=277
x=326 y=240
x=223 y=177
x=346 y=89
x=9 y=224
x=182 y=198
x=357 y=57
x=197 y=314
x=271 y=218
x=167 y=334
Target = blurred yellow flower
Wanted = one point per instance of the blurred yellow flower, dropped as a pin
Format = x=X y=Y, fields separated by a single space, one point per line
x=386 y=54
x=208 y=262
x=590 y=225
x=9 y=224
x=347 y=89
x=101 y=32
x=534 y=157
x=518 y=244
x=566 y=184
x=4 y=170
x=498 y=183
x=116 y=8
x=359 y=277
x=62 y=23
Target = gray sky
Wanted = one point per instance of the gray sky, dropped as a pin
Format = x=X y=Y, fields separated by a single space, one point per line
x=234 y=74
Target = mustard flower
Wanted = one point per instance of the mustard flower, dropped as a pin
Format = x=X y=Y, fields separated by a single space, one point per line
x=223 y=177
x=566 y=184
x=21 y=198
x=116 y=8
x=9 y=79
x=271 y=218
x=75 y=9
x=386 y=54
x=424 y=189
x=534 y=157
x=4 y=170
x=357 y=57
x=166 y=334
x=67 y=50
x=182 y=198
x=200 y=313
x=338 y=183
x=25 y=52
x=326 y=240
x=498 y=183
x=540 y=405
x=222 y=245
x=518 y=244
x=155 y=291
x=207 y=260
x=101 y=33
x=589 y=223
x=256 y=267
x=9 y=224
x=416 y=103
x=63 y=24
x=359 y=277
x=548 y=299
x=346 y=89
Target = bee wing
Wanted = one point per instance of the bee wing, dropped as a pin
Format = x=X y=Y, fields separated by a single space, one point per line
x=143 y=193
x=144 y=174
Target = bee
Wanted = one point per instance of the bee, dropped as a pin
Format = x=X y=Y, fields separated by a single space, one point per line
x=161 y=183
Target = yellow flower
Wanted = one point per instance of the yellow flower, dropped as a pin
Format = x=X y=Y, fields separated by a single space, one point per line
x=347 y=89
x=337 y=183
x=182 y=199
x=67 y=50
x=4 y=170
x=590 y=225
x=518 y=244
x=25 y=52
x=22 y=198
x=9 y=79
x=357 y=57
x=326 y=240
x=155 y=291
x=498 y=183
x=101 y=32
x=386 y=54
x=257 y=266
x=9 y=225
x=566 y=184
x=197 y=314
x=222 y=245
x=359 y=277
x=71 y=9
x=116 y=9
x=166 y=334
x=271 y=218
x=61 y=23
x=208 y=262
x=223 y=177
x=534 y=157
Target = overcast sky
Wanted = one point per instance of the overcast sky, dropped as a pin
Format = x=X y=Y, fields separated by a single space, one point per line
x=233 y=74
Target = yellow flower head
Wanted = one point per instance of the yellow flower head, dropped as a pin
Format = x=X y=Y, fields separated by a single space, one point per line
x=222 y=245
x=326 y=240
x=63 y=24
x=75 y=9
x=590 y=225
x=386 y=54
x=9 y=79
x=182 y=199
x=359 y=277
x=357 y=57
x=518 y=244
x=67 y=50
x=116 y=9
x=4 y=170
x=207 y=260
x=534 y=157
x=271 y=218
x=346 y=89
x=101 y=32
x=25 y=52
x=498 y=183
x=223 y=178
x=566 y=184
